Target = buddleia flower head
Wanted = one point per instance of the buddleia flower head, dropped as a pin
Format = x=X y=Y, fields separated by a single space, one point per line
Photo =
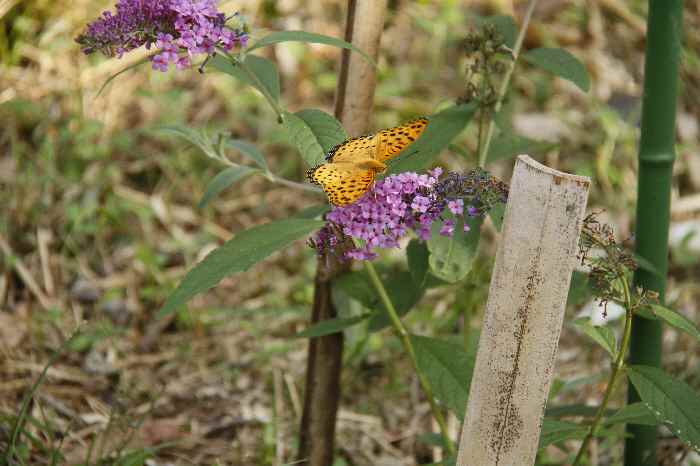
x=408 y=202
x=178 y=29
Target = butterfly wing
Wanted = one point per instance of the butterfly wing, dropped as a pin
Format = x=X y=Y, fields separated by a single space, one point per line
x=353 y=149
x=391 y=141
x=344 y=183
x=351 y=166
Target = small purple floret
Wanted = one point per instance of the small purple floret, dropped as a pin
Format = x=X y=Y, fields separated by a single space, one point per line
x=448 y=228
x=456 y=206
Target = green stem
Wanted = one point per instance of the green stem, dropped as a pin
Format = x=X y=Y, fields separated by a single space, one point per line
x=400 y=329
x=616 y=371
x=271 y=177
x=505 y=83
x=292 y=184
x=656 y=157
x=482 y=109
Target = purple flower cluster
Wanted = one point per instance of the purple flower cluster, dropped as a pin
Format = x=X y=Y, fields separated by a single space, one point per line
x=408 y=202
x=179 y=29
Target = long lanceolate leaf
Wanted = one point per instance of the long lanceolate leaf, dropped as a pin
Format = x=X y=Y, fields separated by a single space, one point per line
x=561 y=63
x=328 y=131
x=448 y=368
x=222 y=181
x=672 y=318
x=304 y=139
x=442 y=128
x=671 y=401
x=309 y=38
x=249 y=150
x=313 y=132
x=258 y=72
x=237 y=255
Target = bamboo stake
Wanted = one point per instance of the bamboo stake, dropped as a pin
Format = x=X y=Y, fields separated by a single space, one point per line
x=656 y=157
x=524 y=315
x=353 y=105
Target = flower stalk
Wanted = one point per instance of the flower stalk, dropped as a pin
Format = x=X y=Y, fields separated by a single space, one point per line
x=505 y=83
x=617 y=369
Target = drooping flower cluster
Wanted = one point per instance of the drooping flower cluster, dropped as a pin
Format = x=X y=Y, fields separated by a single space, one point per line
x=179 y=29
x=408 y=202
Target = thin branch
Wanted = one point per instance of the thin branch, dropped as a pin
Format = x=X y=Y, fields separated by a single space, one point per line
x=506 y=81
x=617 y=369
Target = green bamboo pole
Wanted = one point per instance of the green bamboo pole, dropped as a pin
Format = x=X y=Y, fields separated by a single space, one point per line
x=656 y=156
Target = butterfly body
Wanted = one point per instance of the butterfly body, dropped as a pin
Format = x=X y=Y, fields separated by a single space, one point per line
x=350 y=167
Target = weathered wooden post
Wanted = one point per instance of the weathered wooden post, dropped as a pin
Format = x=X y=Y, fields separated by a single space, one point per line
x=524 y=316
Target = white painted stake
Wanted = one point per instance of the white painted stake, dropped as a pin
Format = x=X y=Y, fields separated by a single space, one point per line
x=524 y=315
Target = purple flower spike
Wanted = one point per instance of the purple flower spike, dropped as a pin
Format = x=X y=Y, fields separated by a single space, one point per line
x=179 y=29
x=402 y=203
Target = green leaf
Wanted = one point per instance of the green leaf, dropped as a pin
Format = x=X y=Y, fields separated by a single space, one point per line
x=506 y=26
x=403 y=294
x=309 y=38
x=674 y=319
x=645 y=264
x=554 y=431
x=579 y=289
x=452 y=258
x=508 y=145
x=249 y=150
x=504 y=117
x=328 y=131
x=671 y=401
x=431 y=439
x=399 y=285
x=303 y=137
x=237 y=255
x=561 y=63
x=497 y=213
x=442 y=128
x=448 y=369
x=601 y=335
x=417 y=256
x=578 y=410
x=636 y=413
x=330 y=326
x=222 y=181
x=314 y=211
x=197 y=138
x=357 y=286
x=257 y=71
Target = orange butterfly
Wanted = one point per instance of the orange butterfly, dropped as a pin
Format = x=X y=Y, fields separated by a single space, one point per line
x=351 y=166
